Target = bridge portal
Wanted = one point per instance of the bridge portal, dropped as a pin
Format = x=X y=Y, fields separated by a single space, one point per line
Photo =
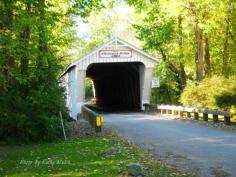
x=121 y=74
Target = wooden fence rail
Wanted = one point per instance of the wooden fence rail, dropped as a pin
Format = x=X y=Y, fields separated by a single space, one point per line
x=180 y=110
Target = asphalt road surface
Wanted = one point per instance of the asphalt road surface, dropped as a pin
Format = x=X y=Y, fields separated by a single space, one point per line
x=192 y=147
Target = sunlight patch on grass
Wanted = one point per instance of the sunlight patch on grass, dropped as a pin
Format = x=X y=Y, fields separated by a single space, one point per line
x=92 y=157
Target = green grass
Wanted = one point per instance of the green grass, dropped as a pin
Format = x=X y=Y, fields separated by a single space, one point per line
x=92 y=157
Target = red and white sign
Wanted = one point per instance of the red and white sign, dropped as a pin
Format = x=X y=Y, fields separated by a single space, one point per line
x=115 y=54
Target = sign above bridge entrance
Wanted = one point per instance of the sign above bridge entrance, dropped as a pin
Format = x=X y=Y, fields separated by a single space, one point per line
x=115 y=53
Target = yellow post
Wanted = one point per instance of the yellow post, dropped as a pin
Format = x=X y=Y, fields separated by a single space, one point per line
x=99 y=121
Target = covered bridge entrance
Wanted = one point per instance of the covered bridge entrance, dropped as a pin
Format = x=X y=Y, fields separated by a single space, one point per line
x=121 y=74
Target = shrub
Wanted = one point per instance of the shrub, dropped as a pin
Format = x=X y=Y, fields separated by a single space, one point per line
x=34 y=117
x=213 y=92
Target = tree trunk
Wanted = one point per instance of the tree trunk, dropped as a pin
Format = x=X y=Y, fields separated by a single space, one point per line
x=199 y=58
x=226 y=57
x=171 y=66
x=9 y=61
x=25 y=37
x=182 y=73
x=183 y=76
x=8 y=25
x=43 y=44
x=226 y=51
x=207 y=57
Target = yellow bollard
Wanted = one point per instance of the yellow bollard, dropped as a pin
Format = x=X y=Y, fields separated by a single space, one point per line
x=99 y=121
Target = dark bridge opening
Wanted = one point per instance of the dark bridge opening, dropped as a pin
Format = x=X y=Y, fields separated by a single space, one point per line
x=117 y=85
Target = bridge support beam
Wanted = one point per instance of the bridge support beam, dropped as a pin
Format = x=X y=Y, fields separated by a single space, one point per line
x=145 y=84
x=80 y=91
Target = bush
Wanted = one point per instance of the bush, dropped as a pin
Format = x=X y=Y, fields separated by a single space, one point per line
x=214 y=92
x=32 y=117
x=227 y=100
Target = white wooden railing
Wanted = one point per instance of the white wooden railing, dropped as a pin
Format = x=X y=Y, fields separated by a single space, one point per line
x=181 y=110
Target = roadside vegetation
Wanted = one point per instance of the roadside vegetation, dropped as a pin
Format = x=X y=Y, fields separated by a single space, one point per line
x=213 y=93
x=36 y=38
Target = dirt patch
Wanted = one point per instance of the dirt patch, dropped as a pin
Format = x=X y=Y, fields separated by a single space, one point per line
x=82 y=129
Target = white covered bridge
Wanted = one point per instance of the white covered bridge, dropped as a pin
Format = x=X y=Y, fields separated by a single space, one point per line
x=121 y=74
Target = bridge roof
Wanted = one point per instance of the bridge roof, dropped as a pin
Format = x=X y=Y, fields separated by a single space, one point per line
x=115 y=40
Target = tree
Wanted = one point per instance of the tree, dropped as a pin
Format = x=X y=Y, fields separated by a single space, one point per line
x=195 y=38
x=34 y=35
x=229 y=37
x=163 y=35
x=115 y=20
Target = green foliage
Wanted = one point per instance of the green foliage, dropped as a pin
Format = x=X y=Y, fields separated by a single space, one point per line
x=88 y=89
x=35 y=41
x=169 y=91
x=34 y=117
x=195 y=39
x=157 y=34
x=227 y=99
x=213 y=92
x=107 y=23
x=83 y=8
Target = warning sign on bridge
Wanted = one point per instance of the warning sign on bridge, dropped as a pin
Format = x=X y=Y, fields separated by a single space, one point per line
x=115 y=54
x=155 y=82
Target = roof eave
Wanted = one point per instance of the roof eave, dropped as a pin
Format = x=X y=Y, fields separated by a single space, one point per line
x=72 y=64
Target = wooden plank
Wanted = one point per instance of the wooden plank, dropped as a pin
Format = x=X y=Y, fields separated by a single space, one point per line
x=189 y=114
x=216 y=112
x=196 y=116
x=227 y=120
x=205 y=117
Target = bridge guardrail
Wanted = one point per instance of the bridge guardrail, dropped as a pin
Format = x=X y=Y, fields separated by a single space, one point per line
x=180 y=110
x=94 y=119
x=205 y=111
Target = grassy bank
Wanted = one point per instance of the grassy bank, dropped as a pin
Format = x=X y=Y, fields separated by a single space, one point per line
x=92 y=157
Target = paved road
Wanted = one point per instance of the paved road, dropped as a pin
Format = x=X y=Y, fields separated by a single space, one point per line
x=190 y=146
